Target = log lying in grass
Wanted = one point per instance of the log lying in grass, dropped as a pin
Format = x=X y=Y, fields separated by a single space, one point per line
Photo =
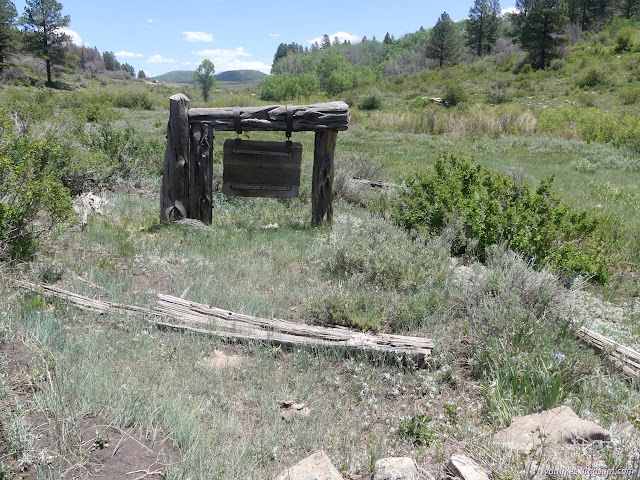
x=374 y=183
x=213 y=321
x=282 y=332
x=80 y=301
x=202 y=319
x=625 y=358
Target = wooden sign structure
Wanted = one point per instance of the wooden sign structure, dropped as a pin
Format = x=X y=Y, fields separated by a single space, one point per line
x=188 y=161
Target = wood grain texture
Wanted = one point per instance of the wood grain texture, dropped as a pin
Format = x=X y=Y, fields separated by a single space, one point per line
x=322 y=181
x=261 y=169
x=201 y=172
x=219 y=322
x=315 y=118
x=174 y=201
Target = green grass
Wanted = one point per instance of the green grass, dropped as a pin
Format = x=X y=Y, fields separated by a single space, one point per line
x=497 y=327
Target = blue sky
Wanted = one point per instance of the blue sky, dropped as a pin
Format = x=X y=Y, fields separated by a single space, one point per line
x=160 y=36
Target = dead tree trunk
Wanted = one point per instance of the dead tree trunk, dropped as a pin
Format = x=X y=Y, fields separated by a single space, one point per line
x=201 y=172
x=322 y=181
x=174 y=195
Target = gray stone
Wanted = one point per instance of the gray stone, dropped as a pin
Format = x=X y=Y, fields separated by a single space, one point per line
x=465 y=468
x=557 y=426
x=315 y=467
x=395 y=468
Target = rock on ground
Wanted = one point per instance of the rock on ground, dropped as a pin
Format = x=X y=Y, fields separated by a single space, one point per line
x=315 y=467
x=465 y=468
x=395 y=468
x=557 y=426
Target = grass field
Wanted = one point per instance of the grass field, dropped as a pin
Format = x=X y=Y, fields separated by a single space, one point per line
x=497 y=326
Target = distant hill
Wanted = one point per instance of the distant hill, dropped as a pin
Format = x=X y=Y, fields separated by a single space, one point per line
x=241 y=76
x=237 y=76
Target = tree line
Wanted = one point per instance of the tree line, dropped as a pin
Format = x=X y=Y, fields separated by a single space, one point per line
x=539 y=27
x=39 y=31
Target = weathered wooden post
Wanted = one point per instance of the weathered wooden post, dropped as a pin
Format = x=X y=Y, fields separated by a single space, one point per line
x=174 y=196
x=201 y=172
x=322 y=181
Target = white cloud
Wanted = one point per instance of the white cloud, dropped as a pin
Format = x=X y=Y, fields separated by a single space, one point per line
x=197 y=37
x=160 y=59
x=342 y=36
x=509 y=10
x=75 y=38
x=274 y=34
x=124 y=54
x=149 y=20
x=237 y=59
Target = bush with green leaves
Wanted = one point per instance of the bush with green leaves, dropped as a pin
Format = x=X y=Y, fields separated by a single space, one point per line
x=32 y=197
x=592 y=77
x=127 y=150
x=623 y=41
x=289 y=87
x=455 y=94
x=371 y=102
x=483 y=207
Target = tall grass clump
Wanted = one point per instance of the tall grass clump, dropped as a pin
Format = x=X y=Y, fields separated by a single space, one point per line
x=386 y=280
x=483 y=208
x=519 y=346
x=592 y=125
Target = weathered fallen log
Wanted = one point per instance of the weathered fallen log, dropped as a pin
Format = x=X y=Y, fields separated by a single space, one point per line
x=283 y=332
x=212 y=321
x=314 y=118
x=80 y=301
x=206 y=320
x=625 y=358
x=374 y=183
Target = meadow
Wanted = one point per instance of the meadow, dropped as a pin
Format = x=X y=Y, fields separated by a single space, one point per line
x=498 y=321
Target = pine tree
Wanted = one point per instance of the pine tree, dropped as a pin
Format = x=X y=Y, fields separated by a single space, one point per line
x=326 y=42
x=387 y=39
x=8 y=34
x=482 y=28
x=142 y=75
x=204 y=75
x=628 y=8
x=43 y=22
x=541 y=30
x=444 y=43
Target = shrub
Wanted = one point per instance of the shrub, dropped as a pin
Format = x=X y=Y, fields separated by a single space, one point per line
x=126 y=150
x=499 y=93
x=592 y=77
x=371 y=102
x=30 y=190
x=629 y=95
x=483 y=208
x=455 y=94
x=289 y=87
x=137 y=99
x=623 y=41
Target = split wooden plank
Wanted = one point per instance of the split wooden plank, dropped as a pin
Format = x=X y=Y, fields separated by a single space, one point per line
x=624 y=357
x=206 y=320
x=290 y=333
x=80 y=301
x=313 y=118
x=374 y=183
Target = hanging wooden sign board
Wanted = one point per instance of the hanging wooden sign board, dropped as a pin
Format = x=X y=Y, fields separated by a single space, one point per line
x=261 y=169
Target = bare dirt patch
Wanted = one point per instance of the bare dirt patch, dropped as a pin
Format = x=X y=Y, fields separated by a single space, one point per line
x=88 y=448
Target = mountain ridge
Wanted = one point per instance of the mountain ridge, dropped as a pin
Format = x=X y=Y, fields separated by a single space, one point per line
x=236 y=76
